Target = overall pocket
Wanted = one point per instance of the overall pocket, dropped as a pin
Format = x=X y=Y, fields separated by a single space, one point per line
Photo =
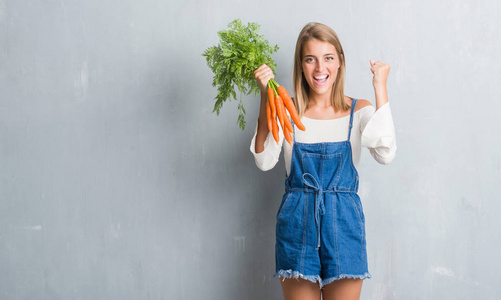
x=285 y=199
x=290 y=226
x=325 y=168
x=357 y=206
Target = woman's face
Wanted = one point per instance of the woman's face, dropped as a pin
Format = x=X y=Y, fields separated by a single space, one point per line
x=320 y=65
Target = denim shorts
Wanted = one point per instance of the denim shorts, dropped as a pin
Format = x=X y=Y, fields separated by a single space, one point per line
x=342 y=252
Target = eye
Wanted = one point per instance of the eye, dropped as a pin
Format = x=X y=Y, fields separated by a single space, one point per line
x=308 y=60
x=329 y=58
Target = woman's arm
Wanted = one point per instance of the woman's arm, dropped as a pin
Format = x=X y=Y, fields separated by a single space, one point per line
x=263 y=146
x=262 y=125
x=378 y=131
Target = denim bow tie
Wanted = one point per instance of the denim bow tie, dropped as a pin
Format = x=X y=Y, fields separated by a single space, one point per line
x=311 y=182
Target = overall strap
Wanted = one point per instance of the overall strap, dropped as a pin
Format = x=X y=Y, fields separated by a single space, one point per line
x=353 y=104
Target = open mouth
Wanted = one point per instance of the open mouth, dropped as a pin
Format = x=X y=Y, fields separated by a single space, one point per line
x=320 y=80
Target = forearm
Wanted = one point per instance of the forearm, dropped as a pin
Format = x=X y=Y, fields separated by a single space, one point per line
x=262 y=125
x=381 y=94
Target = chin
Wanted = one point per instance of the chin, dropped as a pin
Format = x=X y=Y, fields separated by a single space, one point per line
x=323 y=90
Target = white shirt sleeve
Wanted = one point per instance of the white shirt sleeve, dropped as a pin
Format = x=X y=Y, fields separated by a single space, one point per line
x=378 y=133
x=267 y=159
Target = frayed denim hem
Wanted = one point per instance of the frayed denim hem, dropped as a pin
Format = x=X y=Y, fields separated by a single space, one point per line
x=296 y=274
x=343 y=276
x=316 y=278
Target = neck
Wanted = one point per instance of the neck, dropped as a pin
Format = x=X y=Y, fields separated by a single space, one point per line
x=319 y=100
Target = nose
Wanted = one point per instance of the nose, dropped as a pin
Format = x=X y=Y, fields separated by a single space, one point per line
x=320 y=65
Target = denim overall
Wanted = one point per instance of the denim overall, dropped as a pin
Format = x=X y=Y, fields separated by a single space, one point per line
x=320 y=231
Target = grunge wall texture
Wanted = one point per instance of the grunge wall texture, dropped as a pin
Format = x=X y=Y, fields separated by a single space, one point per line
x=118 y=182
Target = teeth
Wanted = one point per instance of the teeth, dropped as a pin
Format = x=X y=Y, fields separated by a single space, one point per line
x=320 y=77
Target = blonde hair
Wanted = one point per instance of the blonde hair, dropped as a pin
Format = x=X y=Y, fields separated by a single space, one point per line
x=300 y=85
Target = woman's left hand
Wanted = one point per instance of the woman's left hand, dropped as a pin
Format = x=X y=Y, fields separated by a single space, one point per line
x=380 y=70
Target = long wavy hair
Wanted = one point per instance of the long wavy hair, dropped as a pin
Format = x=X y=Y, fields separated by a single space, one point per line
x=300 y=85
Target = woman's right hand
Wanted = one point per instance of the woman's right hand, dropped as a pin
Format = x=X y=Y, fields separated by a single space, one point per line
x=263 y=74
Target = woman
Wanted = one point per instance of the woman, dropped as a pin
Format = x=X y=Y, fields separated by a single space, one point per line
x=320 y=232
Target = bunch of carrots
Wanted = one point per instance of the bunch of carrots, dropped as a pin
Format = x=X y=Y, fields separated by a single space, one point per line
x=278 y=100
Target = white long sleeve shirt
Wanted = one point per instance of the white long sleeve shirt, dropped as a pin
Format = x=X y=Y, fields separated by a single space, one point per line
x=372 y=129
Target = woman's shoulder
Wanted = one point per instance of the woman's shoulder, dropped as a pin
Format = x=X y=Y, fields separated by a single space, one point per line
x=361 y=103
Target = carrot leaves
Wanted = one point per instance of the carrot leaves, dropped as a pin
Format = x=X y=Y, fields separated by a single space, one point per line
x=240 y=52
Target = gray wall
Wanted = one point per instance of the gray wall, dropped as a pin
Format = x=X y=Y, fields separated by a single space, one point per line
x=118 y=182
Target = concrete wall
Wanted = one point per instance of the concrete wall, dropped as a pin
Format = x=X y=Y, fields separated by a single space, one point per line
x=118 y=182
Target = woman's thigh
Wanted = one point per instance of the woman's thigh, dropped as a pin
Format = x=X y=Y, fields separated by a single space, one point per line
x=343 y=289
x=300 y=289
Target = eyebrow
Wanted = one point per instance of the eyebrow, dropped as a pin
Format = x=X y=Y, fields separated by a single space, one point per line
x=328 y=54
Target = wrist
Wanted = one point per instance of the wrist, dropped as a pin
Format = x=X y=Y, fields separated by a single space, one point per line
x=379 y=86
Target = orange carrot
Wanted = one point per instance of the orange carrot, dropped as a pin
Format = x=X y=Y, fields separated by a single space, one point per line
x=271 y=98
x=274 y=129
x=280 y=112
x=287 y=122
x=290 y=106
x=288 y=136
x=284 y=113
x=268 y=116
